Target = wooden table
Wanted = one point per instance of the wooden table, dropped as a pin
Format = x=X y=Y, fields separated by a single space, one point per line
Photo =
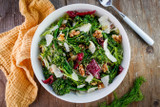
x=145 y=60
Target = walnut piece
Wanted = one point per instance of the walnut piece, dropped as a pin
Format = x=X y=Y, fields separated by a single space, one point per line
x=61 y=37
x=63 y=26
x=94 y=83
x=117 y=38
x=81 y=70
x=40 y=58
x=112 y=26
x=100 y=85
x=97 y=34
x=104 y=67
x=74 y=33
x=82 y=46
x=73 y=57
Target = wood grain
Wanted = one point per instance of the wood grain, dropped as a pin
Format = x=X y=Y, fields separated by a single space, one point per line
x=145 y=60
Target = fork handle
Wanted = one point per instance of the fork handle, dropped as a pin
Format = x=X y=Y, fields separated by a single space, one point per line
x=138 y=30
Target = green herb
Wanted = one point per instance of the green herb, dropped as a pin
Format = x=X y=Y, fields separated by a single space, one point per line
x=134 y=95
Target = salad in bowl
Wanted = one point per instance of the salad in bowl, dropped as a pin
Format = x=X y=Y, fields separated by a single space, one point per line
x=80 y=52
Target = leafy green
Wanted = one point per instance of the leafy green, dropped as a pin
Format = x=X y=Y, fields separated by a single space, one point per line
x=61 y=86
x=113 y=73
x=42 y=41
x=99 y=56
x=56 y=53
x=134 y=95
x=46 y=73
x=60 y=61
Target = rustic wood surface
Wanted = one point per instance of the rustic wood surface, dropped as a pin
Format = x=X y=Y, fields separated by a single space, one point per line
x=145 y=60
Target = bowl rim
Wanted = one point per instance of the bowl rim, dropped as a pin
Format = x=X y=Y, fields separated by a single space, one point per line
x=113 y=86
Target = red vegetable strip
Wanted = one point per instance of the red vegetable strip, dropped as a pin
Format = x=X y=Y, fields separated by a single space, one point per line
x=49 y=80
x=80 y=56
x=85 y=13
x=76 y=65
x=79 y=59
x=73 y=14
x=93 y=68
x=120 y=69
x=100 y=41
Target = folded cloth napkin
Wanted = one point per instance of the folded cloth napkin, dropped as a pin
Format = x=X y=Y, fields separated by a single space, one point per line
x=21 y=89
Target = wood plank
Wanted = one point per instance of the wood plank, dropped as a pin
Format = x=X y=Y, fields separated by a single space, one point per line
x=9 y=15
x=145 y=60
x=8 y=19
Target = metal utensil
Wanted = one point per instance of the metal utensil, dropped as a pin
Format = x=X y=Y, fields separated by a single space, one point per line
x=139 y=31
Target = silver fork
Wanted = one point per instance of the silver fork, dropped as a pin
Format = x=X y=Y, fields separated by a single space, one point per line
x=139 y=31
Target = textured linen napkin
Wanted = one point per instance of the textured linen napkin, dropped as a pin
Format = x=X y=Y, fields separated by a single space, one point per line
x=21 y=89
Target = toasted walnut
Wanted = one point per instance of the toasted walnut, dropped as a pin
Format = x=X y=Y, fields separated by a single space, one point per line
x=117 y=38
x=81 y=70
x=68 y=59
x=51 y=70
x=74 y=33
x=112 y=26
x=94 y=83
x=104 y=68
x=61 y=37
x=97 y=34
x=40 y=58
x=73 y=57
x=82 y=46
x=42 y=48
x=63 y=26
x=100 y=85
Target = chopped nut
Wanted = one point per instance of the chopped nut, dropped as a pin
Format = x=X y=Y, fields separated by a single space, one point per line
x=97 y=34
x=51 y=70
x=77 y=33
x=112 y=26
x=61 y=37
x=64 y=77
x=104 y=68
x=68 y=59
x=100 y=85
x=117 y=38
x=63 y=26
x=94 y=83
x=74 y=33
x=42 y=48
x=73 y=57
x=81 y=70
x=40 y=58
x=82 y=46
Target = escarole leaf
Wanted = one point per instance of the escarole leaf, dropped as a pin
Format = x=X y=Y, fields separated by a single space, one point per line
x=134 y=95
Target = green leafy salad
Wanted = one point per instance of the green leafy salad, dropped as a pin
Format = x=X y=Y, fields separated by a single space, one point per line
x=80 y=52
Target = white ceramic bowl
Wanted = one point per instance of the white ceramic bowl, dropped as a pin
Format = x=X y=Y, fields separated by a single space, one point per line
x=72 y=97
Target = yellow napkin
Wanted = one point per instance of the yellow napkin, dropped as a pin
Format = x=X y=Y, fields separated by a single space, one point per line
x=21 y=89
